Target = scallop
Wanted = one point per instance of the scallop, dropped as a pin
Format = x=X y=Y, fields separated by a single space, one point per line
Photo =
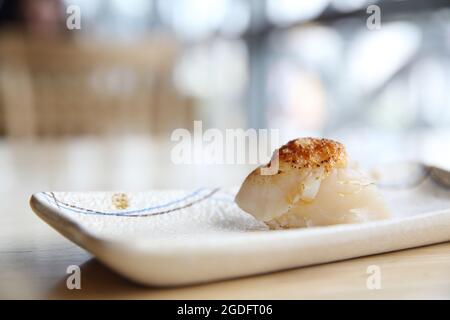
x=312 y=186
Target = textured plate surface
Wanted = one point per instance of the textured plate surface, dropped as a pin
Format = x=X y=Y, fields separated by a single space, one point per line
x=181 y=237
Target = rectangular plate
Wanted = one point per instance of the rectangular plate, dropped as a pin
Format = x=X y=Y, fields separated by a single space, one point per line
x=166 y=238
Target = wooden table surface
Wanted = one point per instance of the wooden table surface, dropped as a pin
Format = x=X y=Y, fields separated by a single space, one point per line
x=34 y=257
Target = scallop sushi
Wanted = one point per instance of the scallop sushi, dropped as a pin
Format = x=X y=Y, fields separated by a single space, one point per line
x=309 y=182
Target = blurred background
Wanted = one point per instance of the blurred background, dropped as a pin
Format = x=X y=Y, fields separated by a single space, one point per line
x=94 y=108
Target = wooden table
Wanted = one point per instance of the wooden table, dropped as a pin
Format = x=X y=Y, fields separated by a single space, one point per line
x=34 y=257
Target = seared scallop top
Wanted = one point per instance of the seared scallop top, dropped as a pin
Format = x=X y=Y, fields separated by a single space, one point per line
x=312 y=153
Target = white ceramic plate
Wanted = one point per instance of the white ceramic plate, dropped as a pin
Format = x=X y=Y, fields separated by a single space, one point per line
x=167 y=238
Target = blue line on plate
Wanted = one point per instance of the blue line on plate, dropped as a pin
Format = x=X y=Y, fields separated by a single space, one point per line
x=125 y=213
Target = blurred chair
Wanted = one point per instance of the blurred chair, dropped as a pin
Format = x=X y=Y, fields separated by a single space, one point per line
x=64 y=88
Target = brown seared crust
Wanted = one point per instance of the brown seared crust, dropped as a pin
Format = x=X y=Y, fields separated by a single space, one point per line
x=313 y=153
